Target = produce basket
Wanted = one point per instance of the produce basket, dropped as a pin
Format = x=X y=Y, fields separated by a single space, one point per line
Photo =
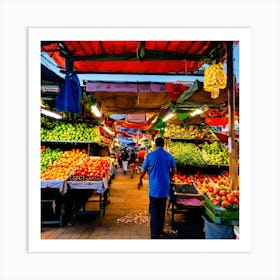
x=220 y=215
x=187 y=191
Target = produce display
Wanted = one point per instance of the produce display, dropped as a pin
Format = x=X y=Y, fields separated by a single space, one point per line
x=63 y=131
x=191 y=132
x=219 y=192
x=182 y=179
x=205 y=183
x=202 y=182
x=214 y=153
x=226 y=198
x=219 y=180
x=62 y=167
x=48 y=156
x=91 y=169
x=177 y=131
x=186 y=153
x=221 y=203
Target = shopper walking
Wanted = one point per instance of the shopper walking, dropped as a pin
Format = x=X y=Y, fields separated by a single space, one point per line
x=161 y=167
x=132 y=163
x=124 y=158
x=141 y=155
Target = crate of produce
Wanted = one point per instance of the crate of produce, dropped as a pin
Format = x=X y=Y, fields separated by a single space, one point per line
x=201 y=132
x=191 y=132
x=187 y=191
x=186 y=154
x=214 y=154
x=221 y=215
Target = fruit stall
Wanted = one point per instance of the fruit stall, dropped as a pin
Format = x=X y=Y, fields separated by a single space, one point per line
x=71 y=171
x=72 y=162
x=202 y=182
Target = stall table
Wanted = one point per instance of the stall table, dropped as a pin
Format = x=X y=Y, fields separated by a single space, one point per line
x=81 y=193
x=52 y=201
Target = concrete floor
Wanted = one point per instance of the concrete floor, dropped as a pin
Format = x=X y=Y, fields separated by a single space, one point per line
x=124 y=200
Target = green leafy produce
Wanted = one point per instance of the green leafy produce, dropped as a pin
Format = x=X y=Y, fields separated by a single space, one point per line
x=186 y=153
x=215 y=153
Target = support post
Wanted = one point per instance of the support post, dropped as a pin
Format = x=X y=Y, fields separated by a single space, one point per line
x=233 y=164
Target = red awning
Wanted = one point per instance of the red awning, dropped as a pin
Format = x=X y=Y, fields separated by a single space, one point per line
x=131 y=57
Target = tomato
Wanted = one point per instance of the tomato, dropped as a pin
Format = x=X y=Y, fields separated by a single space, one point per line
x=224 y=197
x=225 y=203
x=216 y=191
x=223 y=192
x=218 y=198
x=216 y=202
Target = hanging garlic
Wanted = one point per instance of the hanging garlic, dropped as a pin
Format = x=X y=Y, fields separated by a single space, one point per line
x=214 y=79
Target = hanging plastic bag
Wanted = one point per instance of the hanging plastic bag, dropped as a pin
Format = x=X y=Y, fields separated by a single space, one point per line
x=69 y=96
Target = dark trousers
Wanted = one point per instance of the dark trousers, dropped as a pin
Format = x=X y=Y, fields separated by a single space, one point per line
x=157 y=213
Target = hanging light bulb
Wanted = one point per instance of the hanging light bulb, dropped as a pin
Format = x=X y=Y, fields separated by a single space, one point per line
x=96 y=110
x=51 y=114
x=168 y=117
x=196 y=112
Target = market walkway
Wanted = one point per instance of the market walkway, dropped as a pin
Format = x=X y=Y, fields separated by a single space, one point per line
x=126 y=217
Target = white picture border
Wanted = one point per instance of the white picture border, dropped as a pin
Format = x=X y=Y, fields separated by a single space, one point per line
x=243 y=35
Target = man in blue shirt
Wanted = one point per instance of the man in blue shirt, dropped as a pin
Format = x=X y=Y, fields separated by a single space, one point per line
x=161 y=167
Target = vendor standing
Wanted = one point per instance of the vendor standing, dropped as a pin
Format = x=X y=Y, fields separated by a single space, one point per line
x=161 y=167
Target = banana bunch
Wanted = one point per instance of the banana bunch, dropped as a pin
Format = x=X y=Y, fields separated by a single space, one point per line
x=214 y=79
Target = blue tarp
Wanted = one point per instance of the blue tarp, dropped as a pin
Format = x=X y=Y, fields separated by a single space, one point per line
x=69 y=96
x=126 y=141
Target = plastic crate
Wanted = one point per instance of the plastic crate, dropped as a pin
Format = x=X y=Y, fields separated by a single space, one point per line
x=187 y=191
x=221 y=215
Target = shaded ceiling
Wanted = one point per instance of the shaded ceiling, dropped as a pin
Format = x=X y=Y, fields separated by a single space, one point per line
x=133 y=57
x=131 y=102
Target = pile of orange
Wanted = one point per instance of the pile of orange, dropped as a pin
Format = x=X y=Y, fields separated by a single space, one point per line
x=64 y=166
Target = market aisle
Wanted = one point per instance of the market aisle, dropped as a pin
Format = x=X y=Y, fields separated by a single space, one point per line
x=126 y=217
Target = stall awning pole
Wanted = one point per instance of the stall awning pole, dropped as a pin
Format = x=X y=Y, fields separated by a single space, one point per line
x=233 y=164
